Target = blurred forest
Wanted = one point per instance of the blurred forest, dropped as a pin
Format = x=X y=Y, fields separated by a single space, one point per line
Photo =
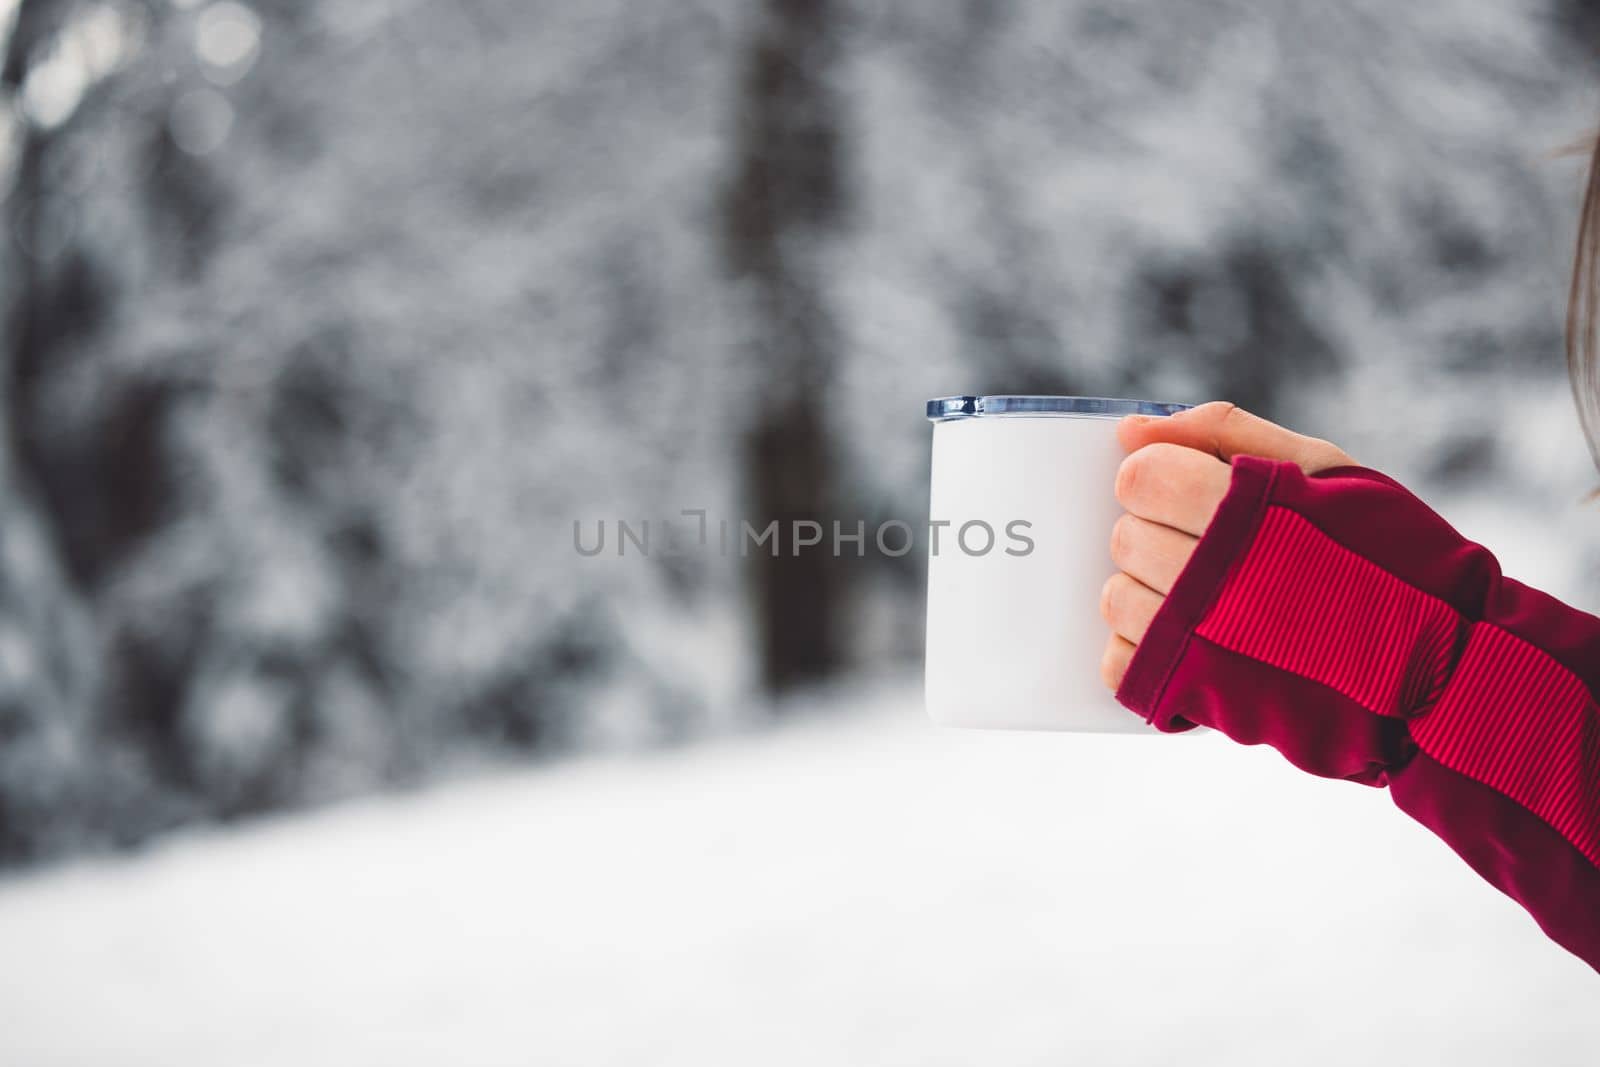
x=325 y=321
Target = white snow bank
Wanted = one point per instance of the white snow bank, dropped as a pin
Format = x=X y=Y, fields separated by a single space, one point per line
x=859 y=889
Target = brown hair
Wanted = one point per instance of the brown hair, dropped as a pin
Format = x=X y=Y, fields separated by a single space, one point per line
x=1583 y=311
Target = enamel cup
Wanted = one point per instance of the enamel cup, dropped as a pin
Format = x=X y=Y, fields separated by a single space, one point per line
x=1021 y=508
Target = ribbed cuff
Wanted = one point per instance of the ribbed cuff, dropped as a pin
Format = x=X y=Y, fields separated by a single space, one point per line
x=1230 y=533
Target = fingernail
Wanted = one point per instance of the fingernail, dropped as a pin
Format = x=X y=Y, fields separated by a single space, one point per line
x=1138 y=420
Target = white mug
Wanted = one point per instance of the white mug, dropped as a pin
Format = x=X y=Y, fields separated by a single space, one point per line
x=1021 y=508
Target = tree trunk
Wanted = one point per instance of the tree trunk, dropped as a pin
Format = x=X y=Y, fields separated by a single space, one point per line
x=785 y=198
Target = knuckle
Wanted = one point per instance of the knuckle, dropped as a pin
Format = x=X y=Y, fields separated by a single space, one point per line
x=1110 y=672
x=1322 y=455
x=1165 y=452
x=1108 y=598
x=1121 y=538
x=1134 y=475
x=1215 y=412
x=1129 y=474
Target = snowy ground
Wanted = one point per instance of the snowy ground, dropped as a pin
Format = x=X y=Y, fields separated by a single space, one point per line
x=858 y=889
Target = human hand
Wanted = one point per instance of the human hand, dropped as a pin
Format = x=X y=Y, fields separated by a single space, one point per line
x=1174 y=477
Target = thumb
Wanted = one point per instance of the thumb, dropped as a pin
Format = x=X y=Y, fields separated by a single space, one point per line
x=1225 y=430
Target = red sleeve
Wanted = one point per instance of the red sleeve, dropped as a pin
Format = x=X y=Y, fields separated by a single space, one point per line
x=1339 y=620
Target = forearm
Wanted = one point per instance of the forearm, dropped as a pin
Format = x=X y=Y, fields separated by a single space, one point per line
x=1340 y=621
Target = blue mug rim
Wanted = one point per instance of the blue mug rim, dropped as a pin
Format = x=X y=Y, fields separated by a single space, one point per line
x=966 y=407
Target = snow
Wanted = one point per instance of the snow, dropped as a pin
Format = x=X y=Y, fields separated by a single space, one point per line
x=853 y=887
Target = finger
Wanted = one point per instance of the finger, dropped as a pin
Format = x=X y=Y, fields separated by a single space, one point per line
x=1173 y=486
x=1152 y=554
x=1114 y=663
x=1225 y=431
x=1128 y=606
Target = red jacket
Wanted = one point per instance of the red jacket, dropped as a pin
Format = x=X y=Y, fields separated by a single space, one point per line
x=1339 y=620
